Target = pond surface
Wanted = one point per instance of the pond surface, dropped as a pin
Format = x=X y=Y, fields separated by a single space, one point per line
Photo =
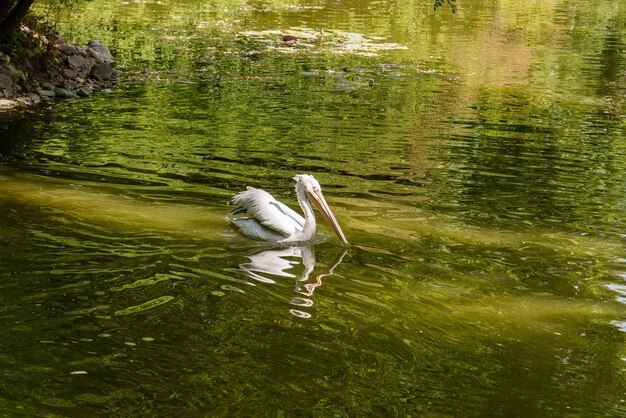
x=476 y=161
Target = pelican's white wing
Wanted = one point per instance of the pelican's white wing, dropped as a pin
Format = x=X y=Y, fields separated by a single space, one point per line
x=268 y=211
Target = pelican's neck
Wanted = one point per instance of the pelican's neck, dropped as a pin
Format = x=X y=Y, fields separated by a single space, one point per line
x=309 y=216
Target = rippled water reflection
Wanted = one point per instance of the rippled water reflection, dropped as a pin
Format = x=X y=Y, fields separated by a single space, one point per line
x=480 y=180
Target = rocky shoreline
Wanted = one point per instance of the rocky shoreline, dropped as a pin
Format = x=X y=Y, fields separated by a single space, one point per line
x=62 y=70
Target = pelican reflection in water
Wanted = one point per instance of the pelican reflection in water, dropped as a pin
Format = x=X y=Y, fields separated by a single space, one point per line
x=277 y=262
x=270 y=220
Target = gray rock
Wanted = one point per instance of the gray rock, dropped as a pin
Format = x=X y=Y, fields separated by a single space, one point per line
x=5 y=81
x=85 y=70
x=69 y=73
x=34 y=98
x=84 y=91
x=47 y=86
x=70 y=85
x=8 y=92
x=100 y=52
x=46 y=93
x=8 y=69
x=76 y=61
x=59 y=92
x=68 y=49
x=102 y=72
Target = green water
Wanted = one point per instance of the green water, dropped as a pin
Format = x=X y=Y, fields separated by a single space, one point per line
x=480 y=180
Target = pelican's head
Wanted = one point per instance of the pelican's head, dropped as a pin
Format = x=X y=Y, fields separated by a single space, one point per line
x=307 y=182
x=313 y=191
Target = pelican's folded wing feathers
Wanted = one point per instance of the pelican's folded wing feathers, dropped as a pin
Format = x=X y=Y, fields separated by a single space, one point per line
x=269 y=212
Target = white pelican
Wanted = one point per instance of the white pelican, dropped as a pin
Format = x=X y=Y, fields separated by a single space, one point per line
x=270 y=220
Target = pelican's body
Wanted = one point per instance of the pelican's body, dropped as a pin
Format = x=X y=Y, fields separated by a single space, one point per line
x=270 y=220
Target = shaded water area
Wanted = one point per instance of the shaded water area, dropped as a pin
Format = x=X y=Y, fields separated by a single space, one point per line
x=476 y=162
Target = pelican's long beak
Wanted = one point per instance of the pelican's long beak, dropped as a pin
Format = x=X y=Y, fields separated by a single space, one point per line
x=318 y=200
